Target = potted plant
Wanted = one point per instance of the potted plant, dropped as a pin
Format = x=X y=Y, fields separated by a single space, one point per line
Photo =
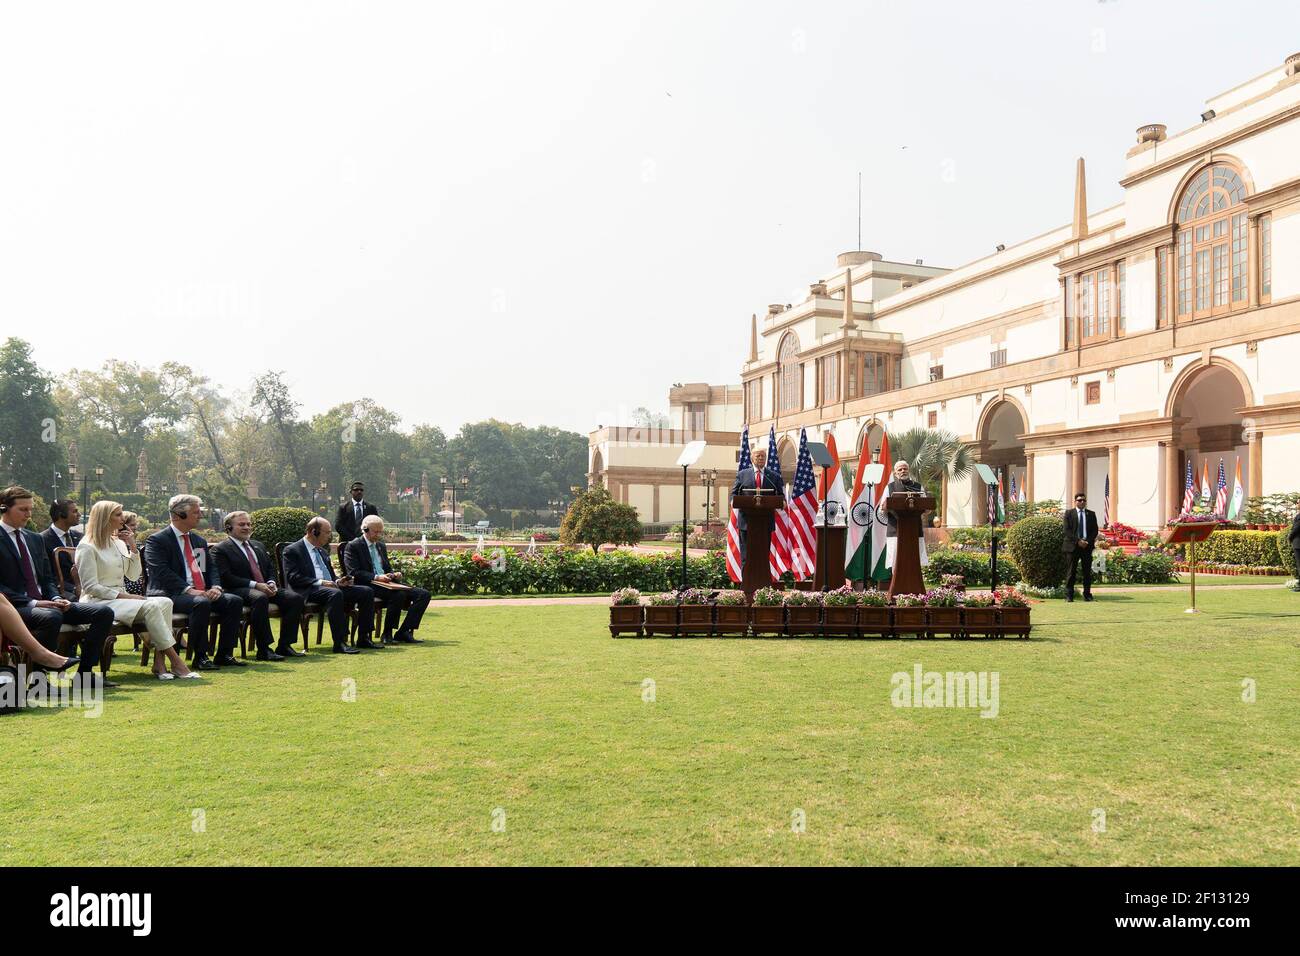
x=625 y=612
x=944 y=607
x=767 y=613
x=661 y=615
x=874 y=618
x=980 y=613
x=840 y=612
x=1013 y=609
x=803 y=610
x=909 y=614
x=696 y=613
x=731 y=613
x=956 y=582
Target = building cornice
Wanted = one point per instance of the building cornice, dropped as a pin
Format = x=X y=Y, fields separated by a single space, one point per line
x=1120 y=248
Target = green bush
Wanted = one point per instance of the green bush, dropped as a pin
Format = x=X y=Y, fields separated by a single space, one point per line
x=971 y=565
x=1285 y=552
x=273 y=526
x=1145 y=567
x=1254 y=548
x=1036 y=544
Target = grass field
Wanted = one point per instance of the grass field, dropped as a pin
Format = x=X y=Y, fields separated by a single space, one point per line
x=1125 y=706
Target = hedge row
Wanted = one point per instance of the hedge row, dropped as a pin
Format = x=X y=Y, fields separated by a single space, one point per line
x=971 y=565
x=1256 y=548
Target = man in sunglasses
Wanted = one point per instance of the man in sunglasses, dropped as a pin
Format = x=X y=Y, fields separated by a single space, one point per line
x=1080 y=536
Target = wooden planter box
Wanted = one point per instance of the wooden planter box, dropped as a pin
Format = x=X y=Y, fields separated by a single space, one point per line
x=767 y=620
x=875 y=621
x=731 y=619
x=661 y=620
x=840 y=621
x=981 y=620
x=909 y=620
x=944 y=621
x=1015 y=620
x=696 y=620
x=625 y=619
x=803 y=620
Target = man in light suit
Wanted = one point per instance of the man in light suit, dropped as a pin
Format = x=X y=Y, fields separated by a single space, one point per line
x=249 y=573
x=64 y=514
x=366 y=559
x=747 y=481
x=348 y=521
x=1081 y=531
x=178 y=566
x=307 y=570
x=27 y=580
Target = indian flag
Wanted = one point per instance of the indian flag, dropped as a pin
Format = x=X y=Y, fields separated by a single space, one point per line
x=879 y=571
x=1205 y=483
x=835 y=498
x=1238 y=494
x=1002 y=511
x=859 y=538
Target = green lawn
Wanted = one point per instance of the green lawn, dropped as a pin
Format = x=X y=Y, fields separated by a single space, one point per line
x=1125 y=705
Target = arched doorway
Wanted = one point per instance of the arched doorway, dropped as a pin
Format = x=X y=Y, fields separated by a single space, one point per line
x=870 y=439
x=1001 y=447
x=597 y=472
x=788 y=455
x=1207 y=428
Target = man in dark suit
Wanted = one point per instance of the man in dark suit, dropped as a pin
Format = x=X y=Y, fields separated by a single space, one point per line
x=27 y=580
x=307 y=570
x=351 y=514
x=178 y=566
x=248 y=573
x=747 y=482
x=1293 y=538
x=60 y=534
x=1080 y=535
x=366 y=559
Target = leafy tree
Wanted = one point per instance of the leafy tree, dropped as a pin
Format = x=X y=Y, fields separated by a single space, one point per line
x=271 y=394
x=595 y=518
x=31 y=449
x=932 y=453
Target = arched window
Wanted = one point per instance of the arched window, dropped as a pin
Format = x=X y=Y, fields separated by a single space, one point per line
x=1211 y=246
x=791 y=375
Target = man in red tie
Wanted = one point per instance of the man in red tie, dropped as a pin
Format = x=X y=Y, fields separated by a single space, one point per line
x=248 y=572
x=176 y=561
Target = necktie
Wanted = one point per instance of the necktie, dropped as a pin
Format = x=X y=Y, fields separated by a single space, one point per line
x=1083 y=525
x=357 y=509
x=33 y=591
x=325 y=560
x=253 y=565
x=374 y=560
x=67 y=539
x=194 y=568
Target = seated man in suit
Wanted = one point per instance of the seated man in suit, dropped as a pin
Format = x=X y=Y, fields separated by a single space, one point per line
x=248 y=572
x=747 y=481
x=352 y=513
x=27 y=580
x=176 y=561
x=1080 y=536
x=64 y=514
x=366 y=559
x=307 y=570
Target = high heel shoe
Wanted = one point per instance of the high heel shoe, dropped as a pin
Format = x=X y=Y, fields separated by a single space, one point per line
x=70 y=662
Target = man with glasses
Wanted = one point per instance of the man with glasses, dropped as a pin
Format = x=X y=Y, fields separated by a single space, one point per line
x=1080 y=536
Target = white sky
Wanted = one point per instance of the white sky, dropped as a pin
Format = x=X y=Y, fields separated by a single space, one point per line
x=544 y=213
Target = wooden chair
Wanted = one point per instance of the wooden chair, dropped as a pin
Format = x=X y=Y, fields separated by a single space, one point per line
x=378 y=621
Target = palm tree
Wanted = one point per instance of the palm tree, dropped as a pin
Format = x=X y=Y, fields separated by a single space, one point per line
x=932 y=453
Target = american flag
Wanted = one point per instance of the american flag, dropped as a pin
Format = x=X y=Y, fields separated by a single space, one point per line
x=735 y=560
x=993 y=507
x=801 y=512
x=1105 y=505
x=1221 y=494
x=778 y=558
x=1189 y=496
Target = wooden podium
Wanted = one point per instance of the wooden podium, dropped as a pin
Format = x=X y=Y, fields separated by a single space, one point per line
x=830 y=558
x=1189 y=533
x=907 y=509
x=760 y=517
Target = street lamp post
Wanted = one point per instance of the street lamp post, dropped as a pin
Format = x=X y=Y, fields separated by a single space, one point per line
x=450 y=482
x=709 y=477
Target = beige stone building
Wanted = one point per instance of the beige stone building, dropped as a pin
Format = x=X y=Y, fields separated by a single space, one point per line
x=1123 y=344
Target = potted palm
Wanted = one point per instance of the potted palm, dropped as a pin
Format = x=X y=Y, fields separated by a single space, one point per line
x=980 y=613
x=874 y=614
x=625 y=612
x=944 y=607
x=1013 y=609
x=840 y=612
x=661 y=615
x=803 y=611
x=909 y=614
x=767 y=613
x=731 y=613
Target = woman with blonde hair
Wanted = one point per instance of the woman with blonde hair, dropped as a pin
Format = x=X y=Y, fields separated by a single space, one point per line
x=106 y=558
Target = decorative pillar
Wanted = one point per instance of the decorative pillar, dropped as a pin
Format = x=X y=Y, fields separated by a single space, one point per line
x=1029 y=477
x=426 y=500
x=654 y=515
x=943 y=511
x=1114 y=483
x=1078 y=476
x=1255 y=463
x=1253 y=261
x=1173 y=482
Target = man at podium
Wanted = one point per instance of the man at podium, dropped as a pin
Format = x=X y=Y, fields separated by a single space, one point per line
x=748 y=480
x=903 y=483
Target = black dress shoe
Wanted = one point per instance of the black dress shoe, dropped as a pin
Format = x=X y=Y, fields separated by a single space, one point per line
x=203 y=664
x=230 y=660
x=404 y=637
x=1069 y=599
x=269 y=655
x=345 y=649
x=370 y=645
x=1087 y=597
x=290 y=652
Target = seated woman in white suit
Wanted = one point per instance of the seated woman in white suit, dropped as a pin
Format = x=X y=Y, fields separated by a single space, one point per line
x=106 y=558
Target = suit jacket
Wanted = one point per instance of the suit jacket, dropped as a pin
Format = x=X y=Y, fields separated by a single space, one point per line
x=1293 y=536
x=747 y=481
x=1072 y=532
x=356 y=560
x=345 y=522
x=232 y=562
x=13 y=583
x=299 y=571
x=50 y=536
x=897 y=487
x=165 y=563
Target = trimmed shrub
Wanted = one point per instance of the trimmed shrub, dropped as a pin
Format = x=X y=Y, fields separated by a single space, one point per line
x=1036 y=544
x=1251 y=548
x=971 y=565
x=1285 y=552
x=1145 y=567
x=273 y=526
